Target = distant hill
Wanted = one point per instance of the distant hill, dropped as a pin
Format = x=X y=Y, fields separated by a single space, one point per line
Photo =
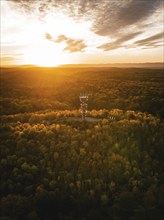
x=119 y=65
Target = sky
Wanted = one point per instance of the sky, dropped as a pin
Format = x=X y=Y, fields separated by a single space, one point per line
x=54 y=32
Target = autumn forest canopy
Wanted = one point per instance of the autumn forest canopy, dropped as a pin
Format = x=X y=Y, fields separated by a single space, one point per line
x=37 y=89
x=54 y=166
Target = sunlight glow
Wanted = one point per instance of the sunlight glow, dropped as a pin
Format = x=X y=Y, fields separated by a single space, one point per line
x=44 y=54
x=62 y=24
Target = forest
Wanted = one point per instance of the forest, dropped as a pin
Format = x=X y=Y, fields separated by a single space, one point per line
x=56 y=167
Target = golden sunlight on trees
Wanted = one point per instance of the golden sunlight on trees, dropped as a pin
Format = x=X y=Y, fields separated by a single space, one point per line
x=56 y=167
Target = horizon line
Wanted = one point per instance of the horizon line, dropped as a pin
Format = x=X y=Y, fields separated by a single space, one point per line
x=146 y=64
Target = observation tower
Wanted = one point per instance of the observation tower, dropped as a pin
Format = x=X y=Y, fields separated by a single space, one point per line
x=83 y=99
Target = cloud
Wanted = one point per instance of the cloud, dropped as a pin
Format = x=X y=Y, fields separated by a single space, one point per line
x=118 y=43
x=137 y=10
x=25 y=5
x=48 y=37
x=152 y=41
x=108 y=17
x=75 y=46
x=149 y=42
x=72 y=45
x=120 y=20
x=61 y=38
x=10 y=58
x=120 y=15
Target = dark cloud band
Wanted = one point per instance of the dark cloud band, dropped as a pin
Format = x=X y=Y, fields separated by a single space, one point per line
x=151 y=41
x=118 y=42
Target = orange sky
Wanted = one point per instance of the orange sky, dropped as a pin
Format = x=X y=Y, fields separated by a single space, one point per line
x=53 y=32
